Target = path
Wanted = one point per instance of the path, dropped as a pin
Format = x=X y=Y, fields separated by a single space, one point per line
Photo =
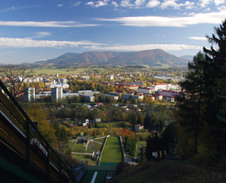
x=81 y=153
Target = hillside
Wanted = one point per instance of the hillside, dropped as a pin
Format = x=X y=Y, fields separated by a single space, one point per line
x=152 y=58
x=169 y=171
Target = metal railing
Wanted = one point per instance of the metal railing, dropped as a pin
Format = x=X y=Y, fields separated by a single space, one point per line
x=25 y=146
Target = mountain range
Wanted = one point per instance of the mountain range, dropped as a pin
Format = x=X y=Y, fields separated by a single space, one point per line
x=151 y=58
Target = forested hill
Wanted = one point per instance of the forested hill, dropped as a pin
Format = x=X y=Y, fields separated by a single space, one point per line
x=152 y=58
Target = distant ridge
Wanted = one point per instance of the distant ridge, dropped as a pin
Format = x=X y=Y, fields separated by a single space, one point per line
x=152 y=58
x=188 y=57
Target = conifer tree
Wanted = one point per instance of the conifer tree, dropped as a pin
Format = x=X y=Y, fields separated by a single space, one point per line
x=190 y=104
x=201 y=134
x=214 y=77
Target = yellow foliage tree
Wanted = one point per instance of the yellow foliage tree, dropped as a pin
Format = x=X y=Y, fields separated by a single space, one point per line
x=37 y=113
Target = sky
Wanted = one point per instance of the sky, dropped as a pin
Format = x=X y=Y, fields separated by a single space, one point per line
x=32 y=30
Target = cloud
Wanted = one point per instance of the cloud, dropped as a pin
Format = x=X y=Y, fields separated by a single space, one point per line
x=115 y=4
x=30 y=43
x=98 y=3
x=173 y=3
x=41 y=34
x=166 y=47
x=189 y=5
x=45 y=24
x=60 y=5
x=219 y=2
x=126 y=3
x=13 y=8
x=139 y=2
x=170 y=3
x=221 y=8
x=153 y=3
x=157 y=21
x=76 y=4
x=204 y=3
x=198 y=38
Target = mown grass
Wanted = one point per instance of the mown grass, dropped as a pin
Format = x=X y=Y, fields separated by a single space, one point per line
x=100 y=140
x=95 y=147
x=112 y=151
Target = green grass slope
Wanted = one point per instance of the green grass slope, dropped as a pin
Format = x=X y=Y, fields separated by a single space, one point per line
x=112 y=151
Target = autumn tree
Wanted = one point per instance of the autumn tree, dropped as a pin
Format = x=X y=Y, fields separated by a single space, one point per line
x=38 y=113
x=15 y=76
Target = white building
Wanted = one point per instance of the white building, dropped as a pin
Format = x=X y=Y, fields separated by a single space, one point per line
x=29 y=94
x=165 y=86
x=133 y=97
x=56 y=94
x=158 y=96
x=160 y=86
x=166 y=93
x=88 y=92
x=170 y=99
x=59 y=85
x=139 y=127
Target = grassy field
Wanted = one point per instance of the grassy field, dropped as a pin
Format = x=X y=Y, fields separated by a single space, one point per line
x=55 y=71
x=81 y=147
x=114 y=124
x=96 y=147
x=70 y=144
x=112 y=151
x=81 y=157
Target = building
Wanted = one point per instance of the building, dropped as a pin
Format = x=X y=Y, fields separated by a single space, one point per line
x=147 y=90
x=63 y=80
x=133 y=97
x=29 y=94
x=86 y=78
x=88 y=98
x=139 y=127
x=109 y=96
x=166 y=93
x=88 y=92
x=115 y=94
x=158 y=96
x=165 y=86
x=59 y=85
x=133 y=87
x=160 y=86
x=56 y=94
x=170 y=99
x=97 y=120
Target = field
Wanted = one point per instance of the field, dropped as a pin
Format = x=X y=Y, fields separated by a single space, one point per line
x=114 y=124
x=79 y=151
x=55 y=71
x=92 y=146
x=112 y=151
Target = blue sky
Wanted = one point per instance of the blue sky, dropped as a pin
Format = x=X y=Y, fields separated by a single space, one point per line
x=32 y=30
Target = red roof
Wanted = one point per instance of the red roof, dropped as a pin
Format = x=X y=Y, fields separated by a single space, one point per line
x=161 y=83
